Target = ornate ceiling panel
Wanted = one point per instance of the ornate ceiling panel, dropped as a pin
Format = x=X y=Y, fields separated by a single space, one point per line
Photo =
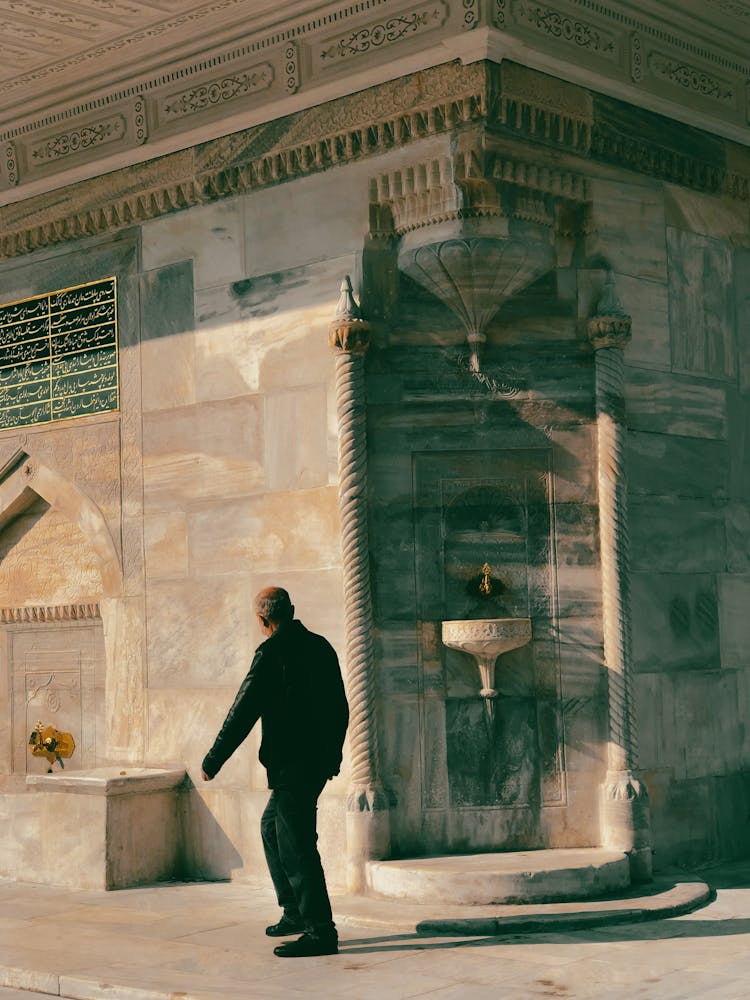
x=92 y=85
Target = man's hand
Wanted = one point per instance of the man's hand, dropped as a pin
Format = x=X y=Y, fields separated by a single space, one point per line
x=205 y=776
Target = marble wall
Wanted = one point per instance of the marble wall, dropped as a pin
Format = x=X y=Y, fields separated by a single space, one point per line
x=219 y=476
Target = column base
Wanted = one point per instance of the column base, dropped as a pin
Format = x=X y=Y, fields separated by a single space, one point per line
x=368 y=833
x=626 y=822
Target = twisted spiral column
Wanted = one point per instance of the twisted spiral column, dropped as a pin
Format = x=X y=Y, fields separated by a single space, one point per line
x=615 y=556
x=368 y=832
x=625 y=812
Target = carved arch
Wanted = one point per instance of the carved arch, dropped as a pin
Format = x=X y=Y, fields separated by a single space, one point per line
x=25 y=477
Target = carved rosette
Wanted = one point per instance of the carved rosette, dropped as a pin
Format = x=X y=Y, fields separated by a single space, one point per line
x=625 y=814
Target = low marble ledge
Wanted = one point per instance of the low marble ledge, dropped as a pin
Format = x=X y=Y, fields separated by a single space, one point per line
x=668 y=895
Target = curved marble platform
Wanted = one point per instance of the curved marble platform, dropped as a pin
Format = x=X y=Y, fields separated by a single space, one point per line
x=667 y=896
x=522 y=877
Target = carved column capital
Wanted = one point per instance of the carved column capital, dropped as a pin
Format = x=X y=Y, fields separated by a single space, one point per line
x=610 y=326
x=609 y=331
x=348 y=333
x=349 y=336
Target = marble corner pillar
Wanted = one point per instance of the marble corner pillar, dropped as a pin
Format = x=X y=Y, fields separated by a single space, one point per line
x=625 y=815
x=367 y=816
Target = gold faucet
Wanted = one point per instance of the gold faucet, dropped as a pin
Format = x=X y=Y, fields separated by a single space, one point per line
x=485 y=587
x=46 y=741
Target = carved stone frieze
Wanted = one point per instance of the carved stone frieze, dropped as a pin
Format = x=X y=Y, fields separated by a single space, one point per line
x=78 y=140
x=9 y=166
x=543 y=107
x=126 y=127
x=273 y=55
x=476 y=182
x=507 y=102
x=381 y=33
x=691 y=78
x=636 y=57
x=471 y=13
x=222 y=90
x=58 y=613
x=291 y=68
x=573 y=31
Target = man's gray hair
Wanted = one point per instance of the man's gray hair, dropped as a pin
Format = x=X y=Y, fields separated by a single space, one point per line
x=274 y=604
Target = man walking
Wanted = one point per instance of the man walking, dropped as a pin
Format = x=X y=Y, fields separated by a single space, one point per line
x=294 y=687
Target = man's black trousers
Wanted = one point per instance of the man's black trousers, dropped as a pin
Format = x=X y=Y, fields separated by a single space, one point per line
x=288 y=828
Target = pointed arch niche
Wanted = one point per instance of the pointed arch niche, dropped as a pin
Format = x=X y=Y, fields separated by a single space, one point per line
x=63 y=618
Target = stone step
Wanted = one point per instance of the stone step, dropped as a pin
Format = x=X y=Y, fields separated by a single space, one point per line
x=669 y=895
x=515 y=877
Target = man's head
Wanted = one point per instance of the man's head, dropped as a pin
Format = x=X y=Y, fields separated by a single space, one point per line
x=273 y=608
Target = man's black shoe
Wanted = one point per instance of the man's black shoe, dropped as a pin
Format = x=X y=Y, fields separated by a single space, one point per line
x=286 y=927
x=307 y=946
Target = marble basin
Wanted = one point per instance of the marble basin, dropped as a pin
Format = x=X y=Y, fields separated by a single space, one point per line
x=485 y=639
x=487 y=636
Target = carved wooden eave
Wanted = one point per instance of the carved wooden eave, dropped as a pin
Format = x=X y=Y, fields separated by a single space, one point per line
x=546 y=135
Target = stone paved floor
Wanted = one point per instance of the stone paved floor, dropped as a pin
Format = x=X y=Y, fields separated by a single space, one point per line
x=206 y=942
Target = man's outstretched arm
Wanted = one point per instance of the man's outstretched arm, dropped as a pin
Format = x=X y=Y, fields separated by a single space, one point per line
x=241 y=717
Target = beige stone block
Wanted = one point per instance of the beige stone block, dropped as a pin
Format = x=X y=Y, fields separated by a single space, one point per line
x=585 y=724
x=166 y=548
x=210 y=234
x=183 y=724
x=203 y=451
x=628 y=228
x=111 y=829
x=743 y=712
x=272 y=532
x=304 y=220
x=574 y=464
x=296 y=441
x=705 y=704
x=332 y=836
x=577 y=823
x=20 y=849
x=653 y=717
x=227 y=347
x=741 y=270
x=647 y=304
x=677 y=534
x=124 y=623
x=199 y=631
x=294 y=336
x=579 y=590
x=702 y=304
x=704 y=213
x=212 y=832
x=734 y=620
x=168 y=371
x=669 y=465
x=675 y=622
x=582 y=666
x=674 y=404
x=85 y=453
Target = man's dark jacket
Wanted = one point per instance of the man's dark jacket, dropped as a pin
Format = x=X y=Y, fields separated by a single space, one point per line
x=294 y=686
